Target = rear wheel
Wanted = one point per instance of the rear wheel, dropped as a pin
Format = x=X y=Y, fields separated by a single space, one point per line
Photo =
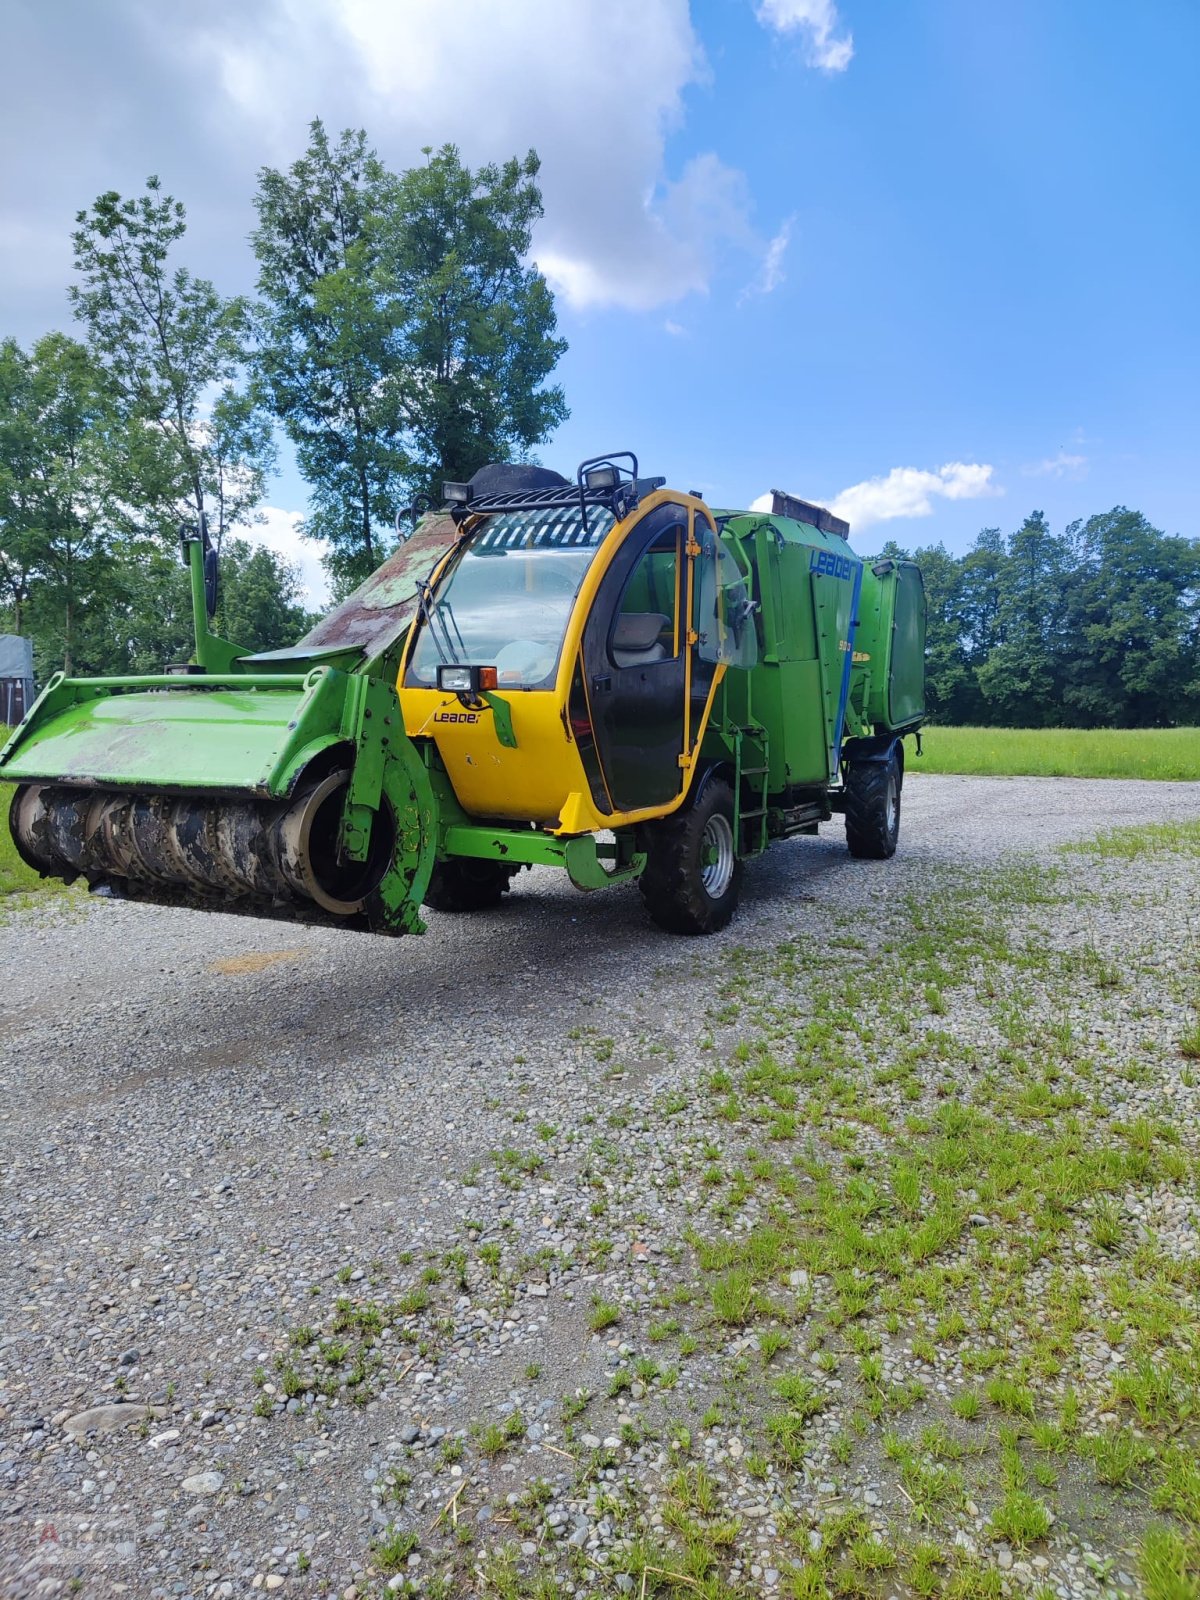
x=466 y=885
x=693 y=876
x=873 y=808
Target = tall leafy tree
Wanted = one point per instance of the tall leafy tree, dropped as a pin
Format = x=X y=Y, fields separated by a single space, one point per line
x=55 y=421
x=1021 y=675
x=478 y=334
x=148 y=616
x=403 y=337
x=194 y=444
x=980 y=593
x=327 y=351
x=260 y=597
x=1134 y=620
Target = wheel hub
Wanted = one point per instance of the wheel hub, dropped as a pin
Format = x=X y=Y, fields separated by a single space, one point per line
x=717 y=856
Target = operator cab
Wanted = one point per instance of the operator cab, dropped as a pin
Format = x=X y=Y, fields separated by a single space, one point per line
x=605 y=610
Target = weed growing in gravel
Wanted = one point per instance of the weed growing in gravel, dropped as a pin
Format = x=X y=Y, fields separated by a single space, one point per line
x=494 y=1437
x=393 y=1548
x=1020 y=1519
x=604 y=1314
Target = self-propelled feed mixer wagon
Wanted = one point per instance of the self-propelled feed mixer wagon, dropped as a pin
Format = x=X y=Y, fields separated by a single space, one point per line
x=602 y=675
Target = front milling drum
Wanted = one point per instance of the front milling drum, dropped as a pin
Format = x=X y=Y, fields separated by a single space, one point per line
x=200 y=850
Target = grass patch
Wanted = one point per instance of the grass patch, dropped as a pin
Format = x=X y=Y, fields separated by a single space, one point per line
x=604 y=1314
x=1170 y=753
x=1154 y=838
x=15 y=877
x=393 y=1549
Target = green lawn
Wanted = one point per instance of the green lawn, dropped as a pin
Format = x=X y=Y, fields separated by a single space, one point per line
x=15 y=876
x=1062 y=752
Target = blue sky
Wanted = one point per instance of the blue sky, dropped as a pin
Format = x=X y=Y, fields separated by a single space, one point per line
x=992 y=259
x=933 y=261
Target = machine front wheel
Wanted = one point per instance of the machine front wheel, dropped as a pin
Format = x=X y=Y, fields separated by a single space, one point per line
x=693 y=876
x=873 y=808
x=465 y=885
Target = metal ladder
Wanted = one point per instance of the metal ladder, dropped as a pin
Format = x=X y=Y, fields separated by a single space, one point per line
x=751 y=764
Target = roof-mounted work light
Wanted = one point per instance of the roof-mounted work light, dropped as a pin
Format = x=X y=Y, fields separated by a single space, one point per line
x=456 y=494
x=605 y=476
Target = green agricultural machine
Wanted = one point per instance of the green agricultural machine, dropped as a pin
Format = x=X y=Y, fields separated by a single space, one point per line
x=601 y=675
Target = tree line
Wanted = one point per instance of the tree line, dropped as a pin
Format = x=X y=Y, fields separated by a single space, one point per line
x=398 y=337
x=1098 y=627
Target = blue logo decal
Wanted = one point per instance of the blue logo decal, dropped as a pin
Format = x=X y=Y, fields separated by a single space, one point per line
x=834 y=566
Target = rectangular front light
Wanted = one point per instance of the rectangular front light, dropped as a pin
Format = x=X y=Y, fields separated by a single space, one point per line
x=456 y=494
x=606 y=477
x=456 y=680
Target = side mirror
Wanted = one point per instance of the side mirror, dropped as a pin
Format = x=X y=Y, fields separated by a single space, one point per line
x=189 y=534
x=412 y=515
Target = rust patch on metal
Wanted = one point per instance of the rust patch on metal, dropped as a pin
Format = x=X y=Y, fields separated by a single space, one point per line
x=379 y=610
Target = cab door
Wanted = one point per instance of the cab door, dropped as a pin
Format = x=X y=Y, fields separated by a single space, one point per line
x=649 y=660
x=635 y=664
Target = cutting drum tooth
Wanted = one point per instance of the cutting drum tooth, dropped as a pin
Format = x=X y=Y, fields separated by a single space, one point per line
x=196 y=839
x=243 y=848
x=152 y=831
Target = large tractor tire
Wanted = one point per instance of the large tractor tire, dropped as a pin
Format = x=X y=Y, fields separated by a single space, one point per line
x=693 y=876
x=873 y=808
x=466 y=885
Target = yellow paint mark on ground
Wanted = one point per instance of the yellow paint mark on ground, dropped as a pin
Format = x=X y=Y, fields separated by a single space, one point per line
x=252 y=961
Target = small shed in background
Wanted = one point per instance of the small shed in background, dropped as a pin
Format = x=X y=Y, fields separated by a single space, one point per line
x=16 y=677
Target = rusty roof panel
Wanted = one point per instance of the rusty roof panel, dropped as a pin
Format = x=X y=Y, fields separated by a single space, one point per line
x=379 y=610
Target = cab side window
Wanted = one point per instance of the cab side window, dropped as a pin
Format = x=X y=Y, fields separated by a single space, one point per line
x=644 y=628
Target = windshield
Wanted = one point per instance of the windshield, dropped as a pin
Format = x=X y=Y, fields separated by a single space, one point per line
x=506 y=600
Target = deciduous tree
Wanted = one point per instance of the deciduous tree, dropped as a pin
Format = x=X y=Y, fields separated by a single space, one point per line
x=193 y=442
x=403 y=337
x=55 y=420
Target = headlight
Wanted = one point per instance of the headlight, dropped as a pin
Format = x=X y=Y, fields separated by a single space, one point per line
x=465 y=680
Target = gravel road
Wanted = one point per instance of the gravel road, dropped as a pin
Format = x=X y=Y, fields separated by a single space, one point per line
x=212 y=1128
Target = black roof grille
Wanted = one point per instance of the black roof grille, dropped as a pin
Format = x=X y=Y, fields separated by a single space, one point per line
x=544 y=499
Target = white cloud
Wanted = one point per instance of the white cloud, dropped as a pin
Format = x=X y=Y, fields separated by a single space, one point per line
x=279 y=530
x=657 y=255
x=911 y=491
x=675 y=329
x=818 y=21
x=905 y=492
x=596 y=87
x=1063 y=465
x=770 y=274
x=207 y=95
